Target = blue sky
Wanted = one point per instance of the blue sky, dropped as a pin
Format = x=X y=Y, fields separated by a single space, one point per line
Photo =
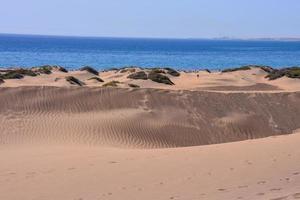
x=152 y=18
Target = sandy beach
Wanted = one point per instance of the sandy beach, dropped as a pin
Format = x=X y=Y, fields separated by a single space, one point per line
x=134 y=133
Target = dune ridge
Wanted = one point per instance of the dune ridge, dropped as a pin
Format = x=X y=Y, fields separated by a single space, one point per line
x=142 y=118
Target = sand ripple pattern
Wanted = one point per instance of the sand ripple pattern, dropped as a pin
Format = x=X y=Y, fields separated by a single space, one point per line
x=142 y=118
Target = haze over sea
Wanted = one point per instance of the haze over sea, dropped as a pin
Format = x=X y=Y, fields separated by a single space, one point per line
x=104 y=53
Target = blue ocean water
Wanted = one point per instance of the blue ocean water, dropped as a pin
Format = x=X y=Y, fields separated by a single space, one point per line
x=103 y=53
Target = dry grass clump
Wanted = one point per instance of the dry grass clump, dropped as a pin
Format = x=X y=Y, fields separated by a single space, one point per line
x=128 y=69
x=158 y=70
x=138 y=75
x=172 y=72
x=90 y=70
x=96 y=79
x=159 y=78
x=74 y=81
x=133 y=85
x=111 y=84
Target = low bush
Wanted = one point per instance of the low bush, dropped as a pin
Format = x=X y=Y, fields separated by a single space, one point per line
x=90 y=70
x=131 y=70
x=96 y=78
x=17 y=73
x=172 y=72
x=243 y=68
x=138 y=75
x=157 y=70
x=292 y=72
x=159 y=78
x=74 y=81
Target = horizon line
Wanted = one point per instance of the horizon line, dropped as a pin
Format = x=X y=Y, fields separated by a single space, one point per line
x=162 y=38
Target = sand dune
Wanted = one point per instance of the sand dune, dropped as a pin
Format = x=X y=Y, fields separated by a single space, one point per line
x=264 y=169
x=62 y=141
x=142 y=118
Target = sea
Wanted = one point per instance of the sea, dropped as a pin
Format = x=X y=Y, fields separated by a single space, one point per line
x=104 y=52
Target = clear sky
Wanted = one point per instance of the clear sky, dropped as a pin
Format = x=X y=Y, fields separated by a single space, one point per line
x=152 y=18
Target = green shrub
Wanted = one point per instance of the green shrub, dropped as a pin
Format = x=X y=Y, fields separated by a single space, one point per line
x=292 y=72
x=11 y=75
x=138 y=75
x=17 y=73
x=74 y=81
x=90 y=70
x=243 y=68
x=46 y=69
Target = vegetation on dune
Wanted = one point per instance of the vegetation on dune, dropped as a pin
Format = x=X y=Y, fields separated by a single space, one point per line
x=129 y=69
x=138 y=75
x=74 y=81
x=111 y=84
x=291 y=72
x=158 y=70
x=159 y=78
x=265 y=68
x=96 y=78
x=90 y=70
x=172 y=72
x=62 y=69
x=243 y=68
x=46 y=69
x=17 y=74
x=133 y=85
x=207 y=70
x=1 y=81
x=11 y=75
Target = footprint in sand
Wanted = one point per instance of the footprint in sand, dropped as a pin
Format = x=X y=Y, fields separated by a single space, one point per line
x=261 y=182
x=280 y=198
x=275 y=189
x=222 y=189
x=296 y=173
x=243 y=186
x=296 y=196
x=260 y=194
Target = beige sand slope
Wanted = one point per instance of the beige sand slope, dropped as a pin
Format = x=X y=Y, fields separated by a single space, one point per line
x=264 y=169
x=142 y=118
